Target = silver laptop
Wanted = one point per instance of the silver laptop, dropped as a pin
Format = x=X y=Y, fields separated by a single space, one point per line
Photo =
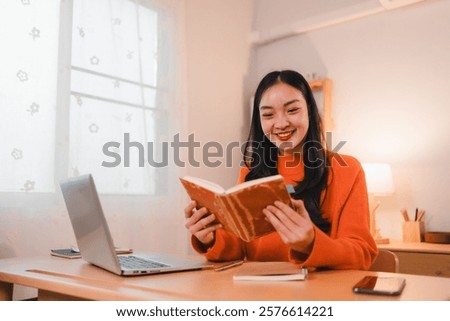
x=95 y=241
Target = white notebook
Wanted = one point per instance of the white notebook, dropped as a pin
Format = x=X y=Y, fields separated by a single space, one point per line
x=270 y=271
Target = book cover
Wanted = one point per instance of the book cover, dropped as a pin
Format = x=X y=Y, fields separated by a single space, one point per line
x=239 y=208
x=270 y=271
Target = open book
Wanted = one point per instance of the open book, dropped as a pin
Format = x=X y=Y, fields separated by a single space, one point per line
x=239 y=208
x=270 y=271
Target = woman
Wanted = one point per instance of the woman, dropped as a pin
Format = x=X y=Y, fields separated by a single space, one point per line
x=328 y=225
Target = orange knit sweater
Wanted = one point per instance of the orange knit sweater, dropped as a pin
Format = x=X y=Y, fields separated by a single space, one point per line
x=349 y=244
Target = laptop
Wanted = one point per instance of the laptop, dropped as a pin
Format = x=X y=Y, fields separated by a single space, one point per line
x=94 y=238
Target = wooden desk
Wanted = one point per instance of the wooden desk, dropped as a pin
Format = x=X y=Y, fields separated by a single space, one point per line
x=421 y=258
x=58 y=278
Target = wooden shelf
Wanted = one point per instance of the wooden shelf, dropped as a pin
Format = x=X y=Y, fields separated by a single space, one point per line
x=323 y=92
x=421 y=258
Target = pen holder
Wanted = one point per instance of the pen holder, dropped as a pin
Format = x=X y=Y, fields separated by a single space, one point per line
x=413 y=231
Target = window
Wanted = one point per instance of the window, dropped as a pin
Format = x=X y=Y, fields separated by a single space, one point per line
x=116 y=94
x=78 y=75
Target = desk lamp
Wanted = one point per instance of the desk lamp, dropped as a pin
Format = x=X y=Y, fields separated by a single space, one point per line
x=379 y=183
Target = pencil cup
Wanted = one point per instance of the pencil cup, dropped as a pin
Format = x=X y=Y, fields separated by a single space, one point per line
x=413 y=231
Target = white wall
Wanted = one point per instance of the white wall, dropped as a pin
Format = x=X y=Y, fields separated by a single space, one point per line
x=390 y=73
x=218 y=51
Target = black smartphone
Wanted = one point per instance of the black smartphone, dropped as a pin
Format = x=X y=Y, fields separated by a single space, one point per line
x=380 y=285
x=68 y=253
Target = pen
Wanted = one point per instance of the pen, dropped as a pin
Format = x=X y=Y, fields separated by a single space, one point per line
x=228 y=265
x=421 y=213
x=405 y=215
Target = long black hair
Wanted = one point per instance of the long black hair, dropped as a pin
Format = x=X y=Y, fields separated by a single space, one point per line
x=261 y=156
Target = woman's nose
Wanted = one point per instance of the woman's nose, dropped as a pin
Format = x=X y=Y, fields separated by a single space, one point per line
x=281 y=122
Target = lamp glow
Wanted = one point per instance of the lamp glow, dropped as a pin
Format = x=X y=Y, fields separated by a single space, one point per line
x=379 y=183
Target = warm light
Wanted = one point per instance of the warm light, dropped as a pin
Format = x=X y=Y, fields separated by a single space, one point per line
x=378 y=178
x=379 y=183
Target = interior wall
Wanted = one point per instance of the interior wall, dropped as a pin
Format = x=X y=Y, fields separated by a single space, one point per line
x=218 y=49
x=390 y=73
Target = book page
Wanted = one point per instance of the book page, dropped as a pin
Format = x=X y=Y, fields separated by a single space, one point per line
x=216 y=188
x=254 y=182
x=268 y=268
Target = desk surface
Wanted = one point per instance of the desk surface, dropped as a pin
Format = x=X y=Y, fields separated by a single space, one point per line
x=420 y=247
x=75 y=278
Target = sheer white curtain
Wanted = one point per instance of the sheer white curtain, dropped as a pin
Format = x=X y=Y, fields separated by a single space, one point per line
x=28 y=64
x=116 y=73
x=79 y=78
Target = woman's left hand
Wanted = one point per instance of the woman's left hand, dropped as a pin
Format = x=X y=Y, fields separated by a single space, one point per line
x=294 y=226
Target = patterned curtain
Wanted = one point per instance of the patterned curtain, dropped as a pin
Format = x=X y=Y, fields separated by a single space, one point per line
x=82 y=83
x=28 y=79
x=71 y=100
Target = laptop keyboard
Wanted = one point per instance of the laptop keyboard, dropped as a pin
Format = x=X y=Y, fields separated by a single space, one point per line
x=131 y=262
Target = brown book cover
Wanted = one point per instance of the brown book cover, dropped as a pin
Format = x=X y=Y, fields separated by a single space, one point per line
x=239 y=208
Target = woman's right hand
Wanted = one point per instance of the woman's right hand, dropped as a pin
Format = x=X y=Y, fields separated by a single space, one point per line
x=198 y=223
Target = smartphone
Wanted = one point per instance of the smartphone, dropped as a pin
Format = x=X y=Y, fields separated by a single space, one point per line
x=67 y=253
x=380 y=285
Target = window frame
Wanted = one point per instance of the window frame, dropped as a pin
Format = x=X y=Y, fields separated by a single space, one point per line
x=15 y=200
x=65 y=92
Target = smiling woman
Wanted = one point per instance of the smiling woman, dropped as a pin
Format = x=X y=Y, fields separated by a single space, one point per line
x=327 y=223
x=284 y=117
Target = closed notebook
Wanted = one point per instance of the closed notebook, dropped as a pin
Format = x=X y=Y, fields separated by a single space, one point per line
x=270 y=271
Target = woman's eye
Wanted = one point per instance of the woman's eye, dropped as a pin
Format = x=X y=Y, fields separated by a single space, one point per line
x=267 y=115
x=293 y=110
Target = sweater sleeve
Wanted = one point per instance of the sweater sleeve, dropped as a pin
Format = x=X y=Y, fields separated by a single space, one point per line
x=350 y=244
x=226 y=247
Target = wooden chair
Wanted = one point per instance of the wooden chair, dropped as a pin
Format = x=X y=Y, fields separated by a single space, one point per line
x=386 y=261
